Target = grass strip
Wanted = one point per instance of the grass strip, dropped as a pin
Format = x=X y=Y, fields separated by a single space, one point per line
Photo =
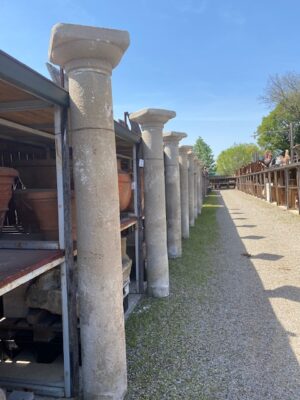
x=159 y=333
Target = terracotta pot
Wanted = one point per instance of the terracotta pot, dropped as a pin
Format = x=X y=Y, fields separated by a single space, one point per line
x=7 y=177
x=41 y=204
x=124 y=181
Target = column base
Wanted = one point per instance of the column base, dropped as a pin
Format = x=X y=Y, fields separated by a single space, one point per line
x=158 y=291
x=175 y=255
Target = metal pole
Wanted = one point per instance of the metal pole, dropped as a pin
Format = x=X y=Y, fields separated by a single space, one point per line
x=68 y=279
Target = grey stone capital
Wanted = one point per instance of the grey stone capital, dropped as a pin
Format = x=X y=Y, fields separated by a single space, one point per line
x=152 y=117
x=191 y=155
x=173 y=137
x=185 y=149
x=85 y=47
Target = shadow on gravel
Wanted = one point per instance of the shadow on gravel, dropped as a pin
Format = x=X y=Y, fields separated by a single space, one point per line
x=255 y=345
x=253 y=237
x=246 y=226
x=239 y=218
x=285 y=292
x=267 y=257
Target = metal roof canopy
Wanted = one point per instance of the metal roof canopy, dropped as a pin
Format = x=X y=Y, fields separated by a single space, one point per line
x=23 y=77
x=27 y=101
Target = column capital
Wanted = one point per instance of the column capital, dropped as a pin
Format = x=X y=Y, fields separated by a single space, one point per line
x=185 y=149
x=85 y=47
x=152 y=117
x=173 y=137
x=191 y=154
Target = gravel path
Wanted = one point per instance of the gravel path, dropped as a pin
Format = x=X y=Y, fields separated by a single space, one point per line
x=253 y=313
x=240 y=340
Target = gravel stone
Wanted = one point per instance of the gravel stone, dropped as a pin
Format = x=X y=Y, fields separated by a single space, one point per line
x=236 y=336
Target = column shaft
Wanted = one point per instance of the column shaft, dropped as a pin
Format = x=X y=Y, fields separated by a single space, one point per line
x=199 y=187
x=195 y=188
x=97 y=203
x=191 y=188
x=184 y=192
x=173 y=207
x=152 y=122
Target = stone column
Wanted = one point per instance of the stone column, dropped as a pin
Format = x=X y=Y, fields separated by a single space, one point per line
x=191 y=187
x=172 y=177
x=196 y=187
x=196 y=167
x=184 y=190
x=88 y=55
x=152 y=122
x=199 y=186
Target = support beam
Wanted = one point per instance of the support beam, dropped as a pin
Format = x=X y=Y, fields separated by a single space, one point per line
x=88 y=55
x=25 y=129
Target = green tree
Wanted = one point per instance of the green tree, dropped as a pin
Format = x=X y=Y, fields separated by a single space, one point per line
x=274 y=131
x=205 y=154
x=283 y=95
x=234 y=157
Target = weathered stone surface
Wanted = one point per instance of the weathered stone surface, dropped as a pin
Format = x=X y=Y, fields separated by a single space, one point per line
x=152 y=122
x=195 y=187
x=172 y=182
x=184 y=190
x=45 y=292
x=88 y=55
x=199 y=186
x=191 y=187
x=126 y=261
x=14 y=302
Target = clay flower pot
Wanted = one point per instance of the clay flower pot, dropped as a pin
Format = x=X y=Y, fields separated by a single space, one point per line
x=41 y=204
x=7 y=177
x=124 y=181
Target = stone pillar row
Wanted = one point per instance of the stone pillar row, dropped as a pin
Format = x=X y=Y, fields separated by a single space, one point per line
x=173 y=199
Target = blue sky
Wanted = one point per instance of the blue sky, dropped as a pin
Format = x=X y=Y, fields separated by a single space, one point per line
x=208 y=60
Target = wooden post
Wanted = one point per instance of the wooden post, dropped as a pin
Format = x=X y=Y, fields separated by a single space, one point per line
x=276 y=186
x=269 y=181
x=298 y=187
x=286 y=179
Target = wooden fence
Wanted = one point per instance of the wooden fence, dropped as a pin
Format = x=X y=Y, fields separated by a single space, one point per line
x=280 y=185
